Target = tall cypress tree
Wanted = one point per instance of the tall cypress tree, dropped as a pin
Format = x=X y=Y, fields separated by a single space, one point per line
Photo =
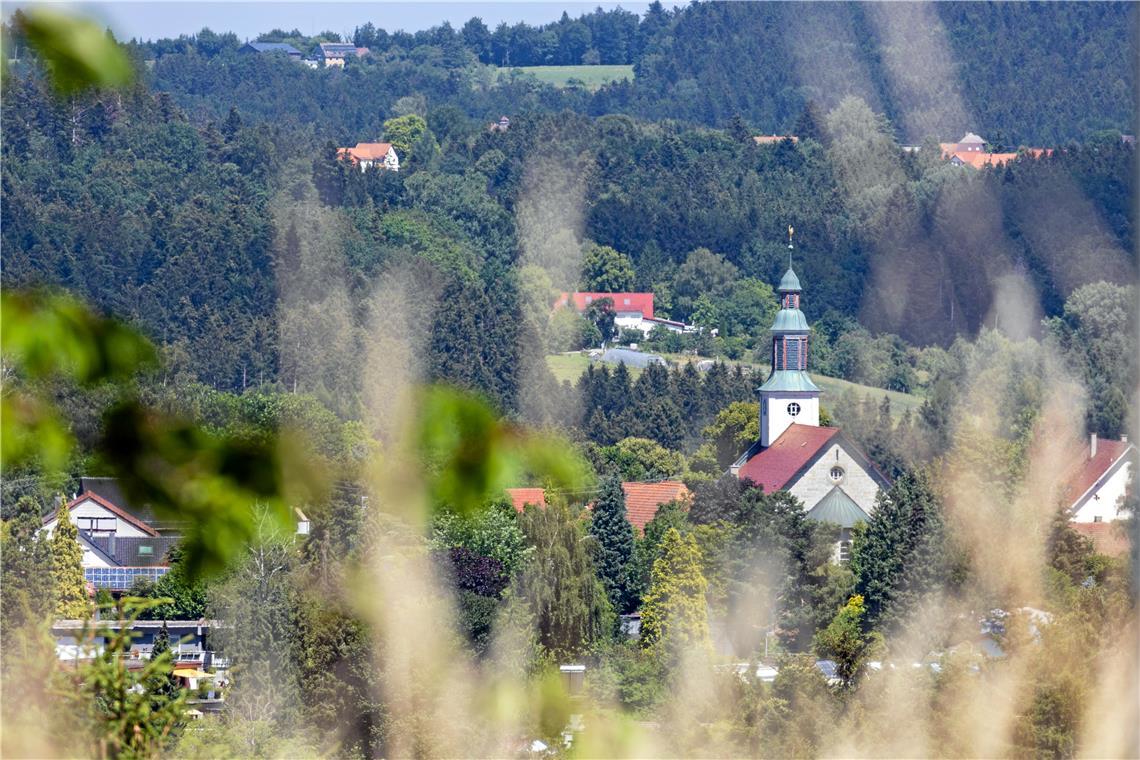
x=67 y=568
x=675 y=617
x=615 y=544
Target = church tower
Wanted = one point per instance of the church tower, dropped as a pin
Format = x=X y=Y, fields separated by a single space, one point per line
x=788 y=395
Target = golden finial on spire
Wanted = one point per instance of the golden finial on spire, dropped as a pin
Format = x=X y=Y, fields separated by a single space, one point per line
x=791 y=231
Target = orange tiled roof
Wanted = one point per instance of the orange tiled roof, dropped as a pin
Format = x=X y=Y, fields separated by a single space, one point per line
x=520 y=497
x=642 y=500
x=367 y=151
x=1109 y=538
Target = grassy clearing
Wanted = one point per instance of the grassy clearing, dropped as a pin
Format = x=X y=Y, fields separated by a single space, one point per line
x=571 y=366
x=592 y=77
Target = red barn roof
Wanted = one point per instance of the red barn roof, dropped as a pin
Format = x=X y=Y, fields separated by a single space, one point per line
x=774 y=466
x=623 y=302
x=520 y=497
x=642 y=500
x=1089 y=470
x=1109 y=538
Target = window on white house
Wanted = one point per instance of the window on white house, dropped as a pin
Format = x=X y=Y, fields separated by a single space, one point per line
x=836 y=474
x=1098 y=518
x=97 y=525
x=793 y=409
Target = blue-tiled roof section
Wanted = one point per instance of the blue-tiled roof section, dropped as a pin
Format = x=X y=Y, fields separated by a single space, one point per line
x=790 y=380
x=838 y=508
x=121 y=578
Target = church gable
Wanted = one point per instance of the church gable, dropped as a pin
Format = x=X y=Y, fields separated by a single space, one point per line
x=838 y=464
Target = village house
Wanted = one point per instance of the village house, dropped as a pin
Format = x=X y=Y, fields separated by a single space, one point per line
x=279 y=48
x=367 y=155
x=820 y=466
x=502 y=125
x=122 y=541
x=632 y=311
x=335 y=53
x=1093 y=491
x=971 y=151
x=642 y=500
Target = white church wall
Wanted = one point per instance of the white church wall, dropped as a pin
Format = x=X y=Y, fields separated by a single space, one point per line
x=775 y=418
x=1105 y=496
x=817 y=481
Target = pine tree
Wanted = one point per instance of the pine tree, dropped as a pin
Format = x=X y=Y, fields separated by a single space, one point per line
x=904 y=554
x=67 y=568
x=674 y=617
x=615 y=544
x=162 y=684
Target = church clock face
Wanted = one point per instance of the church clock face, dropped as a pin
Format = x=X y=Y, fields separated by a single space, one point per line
x=793 y=409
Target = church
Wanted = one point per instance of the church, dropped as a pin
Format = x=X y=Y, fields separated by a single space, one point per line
x=820 y=466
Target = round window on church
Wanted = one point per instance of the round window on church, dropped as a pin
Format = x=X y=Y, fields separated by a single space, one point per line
x=836 y=474
x=793 y=409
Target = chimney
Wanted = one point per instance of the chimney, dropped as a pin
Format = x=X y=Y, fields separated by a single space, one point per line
x=1092 y=445
x=1124 y=439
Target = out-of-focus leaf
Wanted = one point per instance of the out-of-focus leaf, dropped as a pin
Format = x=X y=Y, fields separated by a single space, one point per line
x=214 y=483
x=472 y=456
x=77 y=52
x=50 y=334
x=32 y=433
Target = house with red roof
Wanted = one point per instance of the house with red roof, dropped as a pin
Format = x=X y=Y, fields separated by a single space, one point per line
x=820 y=466
x=642 y=500
x=971 y=151
x=522 y=497
x=1098 y=481
x=367 y=155
x=631 y=310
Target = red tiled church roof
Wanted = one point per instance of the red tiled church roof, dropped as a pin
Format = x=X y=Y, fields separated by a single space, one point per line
x=642 y=500
x=623 y=302
x=1091 y=469
x=774 y=466
x=520 y=497
x=1109 y=538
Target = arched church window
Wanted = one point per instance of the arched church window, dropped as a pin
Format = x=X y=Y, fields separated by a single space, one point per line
x=793 y=409
x=836 y=474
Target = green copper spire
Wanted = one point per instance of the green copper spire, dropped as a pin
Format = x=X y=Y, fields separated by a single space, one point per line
x=790 y=283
